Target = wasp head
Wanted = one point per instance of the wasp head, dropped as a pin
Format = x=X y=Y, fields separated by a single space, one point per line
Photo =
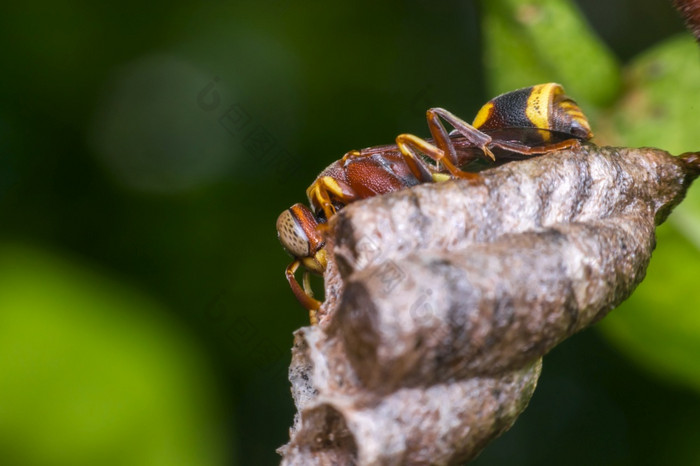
x=298 y=233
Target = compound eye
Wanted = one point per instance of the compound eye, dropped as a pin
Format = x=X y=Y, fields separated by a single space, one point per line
x=292 y=235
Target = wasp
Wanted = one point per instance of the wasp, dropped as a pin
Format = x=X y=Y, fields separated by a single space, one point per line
x=526 y=122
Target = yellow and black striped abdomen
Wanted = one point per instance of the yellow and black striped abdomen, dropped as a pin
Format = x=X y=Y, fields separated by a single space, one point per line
x=544 y=107
x=505 y=111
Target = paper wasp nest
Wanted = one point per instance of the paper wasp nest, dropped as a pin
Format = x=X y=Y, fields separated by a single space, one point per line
x=442 y=299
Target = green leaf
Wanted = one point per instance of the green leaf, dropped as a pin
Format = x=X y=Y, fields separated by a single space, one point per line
x=94 y=373
x=534 y=41
x=529 y=42
x=659 y=326
x=661 y=104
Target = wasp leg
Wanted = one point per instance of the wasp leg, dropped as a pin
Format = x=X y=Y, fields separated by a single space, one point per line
x=326 y=188
x=536 y=150
x=411 y=145
x=304 y=296
x=306 y=282
x=442 y=138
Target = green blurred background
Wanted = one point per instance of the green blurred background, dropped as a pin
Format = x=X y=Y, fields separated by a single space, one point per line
x=146 y=150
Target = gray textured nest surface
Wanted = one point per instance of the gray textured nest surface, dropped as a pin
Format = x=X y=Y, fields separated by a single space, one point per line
x=442 y=299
